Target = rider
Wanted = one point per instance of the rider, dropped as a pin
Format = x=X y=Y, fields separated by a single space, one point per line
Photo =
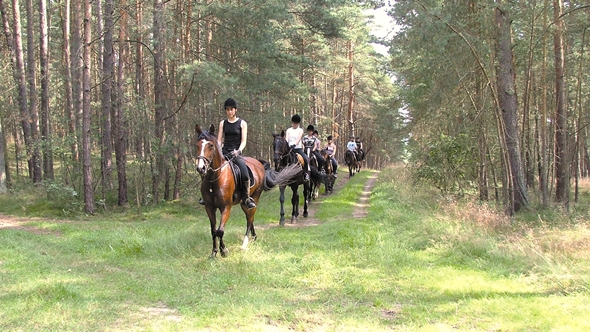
x=311 y=142
x=233 y=133
x=318 y=148
x=293 y=137
x=351 y=146
x=331 y=151
x=359 y=148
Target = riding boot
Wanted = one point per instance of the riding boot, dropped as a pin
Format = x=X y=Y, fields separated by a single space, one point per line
x=201 y=201
x=249 y=201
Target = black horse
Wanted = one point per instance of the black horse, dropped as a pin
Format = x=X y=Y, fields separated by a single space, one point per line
x=283 y=157
x=329 y=177
x=315 y=181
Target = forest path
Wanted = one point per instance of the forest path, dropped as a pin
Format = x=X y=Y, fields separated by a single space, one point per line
x=361 y=205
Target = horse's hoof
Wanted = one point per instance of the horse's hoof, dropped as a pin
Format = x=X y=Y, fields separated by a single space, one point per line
x=224 y=252
x=282 y=223
x=304 y=214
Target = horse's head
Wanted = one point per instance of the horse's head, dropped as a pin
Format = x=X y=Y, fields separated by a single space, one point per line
x=280 y=147
x=206 y=147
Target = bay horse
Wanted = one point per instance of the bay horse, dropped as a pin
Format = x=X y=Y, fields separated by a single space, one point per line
x=220 y=191
x=284 y=157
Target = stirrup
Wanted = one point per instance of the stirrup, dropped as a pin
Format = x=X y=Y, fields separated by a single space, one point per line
x=250 y=204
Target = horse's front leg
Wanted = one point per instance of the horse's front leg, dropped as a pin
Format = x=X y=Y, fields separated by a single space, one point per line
x=295 y=203
x=225 y=212
x=282 y=200
x=213 y=222
x=306 y=198
x=249 y=225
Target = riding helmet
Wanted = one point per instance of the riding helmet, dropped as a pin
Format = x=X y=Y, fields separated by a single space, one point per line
x=310 y=128
x=230 y=103
x=296 y=118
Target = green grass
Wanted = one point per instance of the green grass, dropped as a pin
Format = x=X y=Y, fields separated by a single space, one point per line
x=410 y=265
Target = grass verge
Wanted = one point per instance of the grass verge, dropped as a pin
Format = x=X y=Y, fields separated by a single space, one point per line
x=412 y=264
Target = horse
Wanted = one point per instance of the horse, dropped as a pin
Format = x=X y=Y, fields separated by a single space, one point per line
x=352 y=163
x=329 y=178
x=219 y=186
x=284 y=157
x=315 y=181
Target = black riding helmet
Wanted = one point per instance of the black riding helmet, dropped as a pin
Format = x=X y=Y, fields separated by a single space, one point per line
x=230 y=103
x=296 y=118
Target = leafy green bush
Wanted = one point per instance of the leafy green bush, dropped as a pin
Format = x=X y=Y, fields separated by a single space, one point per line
x=448 y=163
x=63 y=197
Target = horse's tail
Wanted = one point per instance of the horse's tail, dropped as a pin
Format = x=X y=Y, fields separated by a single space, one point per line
x=286 y=176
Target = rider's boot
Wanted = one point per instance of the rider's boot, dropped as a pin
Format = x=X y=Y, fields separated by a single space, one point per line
x=201 y=201
x=249 y=201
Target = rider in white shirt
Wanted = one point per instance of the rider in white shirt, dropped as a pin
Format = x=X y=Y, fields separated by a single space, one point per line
x=351 y=146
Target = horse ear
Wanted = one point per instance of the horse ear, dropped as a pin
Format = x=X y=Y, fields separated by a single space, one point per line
x=212 y=129
x=198 y=130
x=283 y=133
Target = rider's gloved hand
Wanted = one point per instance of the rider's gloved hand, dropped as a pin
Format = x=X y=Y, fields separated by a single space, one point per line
x=292 y=146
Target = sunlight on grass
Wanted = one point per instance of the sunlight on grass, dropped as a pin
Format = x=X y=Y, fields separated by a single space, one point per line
x=414 y=263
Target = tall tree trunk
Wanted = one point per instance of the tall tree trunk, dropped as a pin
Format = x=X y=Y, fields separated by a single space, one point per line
x=543 y=155
x=561 y=135
x=3 y=173
x=69 y=113
x=107 y=94
x=76 y=54
x=509 y=109
x=33 y=102
x=141 y=142
x=45 y=115
x=159 y=94
x=89 y=205
x=16 y=45
x=351 y=94
x=119 y=127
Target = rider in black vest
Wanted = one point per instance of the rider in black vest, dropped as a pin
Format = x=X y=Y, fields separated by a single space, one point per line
x=233 y=133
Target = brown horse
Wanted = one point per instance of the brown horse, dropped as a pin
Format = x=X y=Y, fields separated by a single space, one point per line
x=219 y=188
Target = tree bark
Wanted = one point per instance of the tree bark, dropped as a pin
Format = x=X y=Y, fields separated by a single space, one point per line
x=159 y=107
x=69 y=112
x=89 y=205
x=45 y=110
x=107 y=94
x=15 y=44
x=119 y=127
x=351 y=93
x=561 y=135
x=35 y=165
x=76 y=54
x=509 y=108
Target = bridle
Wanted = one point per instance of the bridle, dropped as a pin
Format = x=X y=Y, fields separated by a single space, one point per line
x=280 y=155
x=209 y=161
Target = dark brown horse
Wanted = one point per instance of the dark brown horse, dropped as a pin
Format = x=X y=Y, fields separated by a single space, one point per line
x=285 y=158
x=219 y=186
x=329 y=179
x=354 y=166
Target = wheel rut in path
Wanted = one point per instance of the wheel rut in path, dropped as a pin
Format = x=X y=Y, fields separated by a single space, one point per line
x=361 y=205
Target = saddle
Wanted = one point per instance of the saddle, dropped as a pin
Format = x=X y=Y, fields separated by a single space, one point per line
x=238 y=175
